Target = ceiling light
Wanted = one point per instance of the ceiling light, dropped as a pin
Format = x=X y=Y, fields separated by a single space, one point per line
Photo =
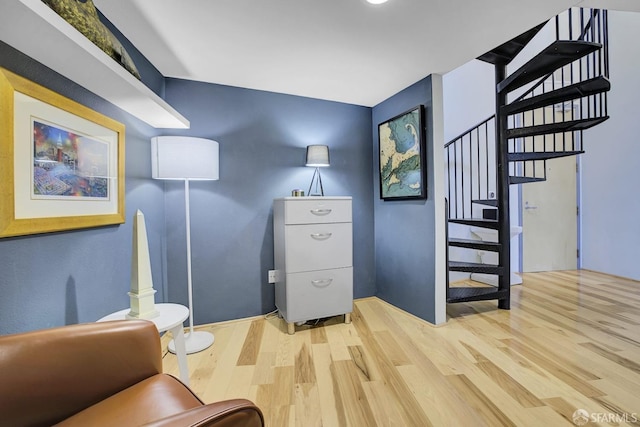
x=376 y=1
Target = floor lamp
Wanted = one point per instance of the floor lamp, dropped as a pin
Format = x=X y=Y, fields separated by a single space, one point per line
x=186 y=159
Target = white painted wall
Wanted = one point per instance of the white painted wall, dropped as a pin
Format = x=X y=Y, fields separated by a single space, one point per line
x=469 y=98
x=440 y=297
x=611 y=164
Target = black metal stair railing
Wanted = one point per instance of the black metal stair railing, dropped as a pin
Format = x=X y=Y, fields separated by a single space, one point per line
x=579 y=101
x=471 y=170
x=591 y=66
x=576 y=93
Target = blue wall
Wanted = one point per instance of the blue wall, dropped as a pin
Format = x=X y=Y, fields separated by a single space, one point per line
x=404 y=233
x=263 y=138
x=79 y=276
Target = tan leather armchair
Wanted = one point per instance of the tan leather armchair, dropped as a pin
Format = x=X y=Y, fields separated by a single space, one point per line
x=102 y=374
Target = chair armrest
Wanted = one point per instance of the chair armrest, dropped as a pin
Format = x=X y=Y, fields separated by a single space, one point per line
x=227 y=413
x=51 y=374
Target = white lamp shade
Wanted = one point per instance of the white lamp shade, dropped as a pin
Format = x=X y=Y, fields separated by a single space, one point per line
x=184 y=157
x=317 y=156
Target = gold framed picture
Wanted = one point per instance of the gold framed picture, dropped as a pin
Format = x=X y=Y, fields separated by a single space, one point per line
x=61 y=163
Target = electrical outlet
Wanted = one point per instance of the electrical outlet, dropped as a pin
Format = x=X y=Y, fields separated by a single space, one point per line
x=273 y=276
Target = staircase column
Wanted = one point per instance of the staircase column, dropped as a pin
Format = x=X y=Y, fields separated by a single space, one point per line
x=502 y=189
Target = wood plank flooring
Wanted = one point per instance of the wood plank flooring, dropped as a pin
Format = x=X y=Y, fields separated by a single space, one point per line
x=570 y=341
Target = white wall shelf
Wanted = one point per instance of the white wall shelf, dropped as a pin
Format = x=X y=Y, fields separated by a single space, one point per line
x=37 y=31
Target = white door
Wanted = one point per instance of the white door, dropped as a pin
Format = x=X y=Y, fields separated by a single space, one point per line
x=549 y=217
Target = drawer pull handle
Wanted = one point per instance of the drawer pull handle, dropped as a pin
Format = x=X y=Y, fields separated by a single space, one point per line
x=321 y=236
x=321 y=283
x=320 y=212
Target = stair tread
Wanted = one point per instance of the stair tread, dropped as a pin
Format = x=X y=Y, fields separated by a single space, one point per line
x=504 y=53
x=479 y=222
x=475 y=267
x=541 y=155
x=524 y=179
x=551 y=128
x=469 y=264
x=475 y=244
x=554 y=56
x=487 y=202
x=465 y=294
x=578 y=90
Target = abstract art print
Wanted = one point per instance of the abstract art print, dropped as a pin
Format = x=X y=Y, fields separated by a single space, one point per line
x=67 y=164
x=61 y=163
x=402 y=156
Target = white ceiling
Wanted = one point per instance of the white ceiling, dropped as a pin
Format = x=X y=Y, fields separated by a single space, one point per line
x=339 y=50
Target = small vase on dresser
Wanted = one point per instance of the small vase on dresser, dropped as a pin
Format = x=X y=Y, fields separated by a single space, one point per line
x=313 y=248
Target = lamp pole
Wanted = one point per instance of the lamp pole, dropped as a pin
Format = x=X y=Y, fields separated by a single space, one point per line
x=194 y=341
x=188 y=228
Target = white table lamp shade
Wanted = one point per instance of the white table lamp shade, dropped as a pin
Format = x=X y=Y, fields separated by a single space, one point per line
x=183 y=157
x=317 y=156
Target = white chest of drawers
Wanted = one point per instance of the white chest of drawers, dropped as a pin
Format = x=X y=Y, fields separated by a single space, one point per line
x=313 y=247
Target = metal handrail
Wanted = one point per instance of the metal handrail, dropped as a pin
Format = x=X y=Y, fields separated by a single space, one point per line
x=469 y=162
x=470 y=168
x=468 y=131
x=594 y=14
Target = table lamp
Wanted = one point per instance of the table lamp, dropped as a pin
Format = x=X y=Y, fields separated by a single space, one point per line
x=317 y=157
x=186 y=159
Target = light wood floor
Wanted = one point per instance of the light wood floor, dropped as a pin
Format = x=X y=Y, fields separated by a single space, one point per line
x=571 y=341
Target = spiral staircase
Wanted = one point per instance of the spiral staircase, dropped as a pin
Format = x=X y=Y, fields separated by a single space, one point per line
x=570 y=78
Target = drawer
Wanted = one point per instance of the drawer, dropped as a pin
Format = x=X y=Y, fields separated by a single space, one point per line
x=319 y=294
x=318 y=247
x=311 y=211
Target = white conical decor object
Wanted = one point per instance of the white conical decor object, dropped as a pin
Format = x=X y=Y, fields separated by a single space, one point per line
x=142 y=293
